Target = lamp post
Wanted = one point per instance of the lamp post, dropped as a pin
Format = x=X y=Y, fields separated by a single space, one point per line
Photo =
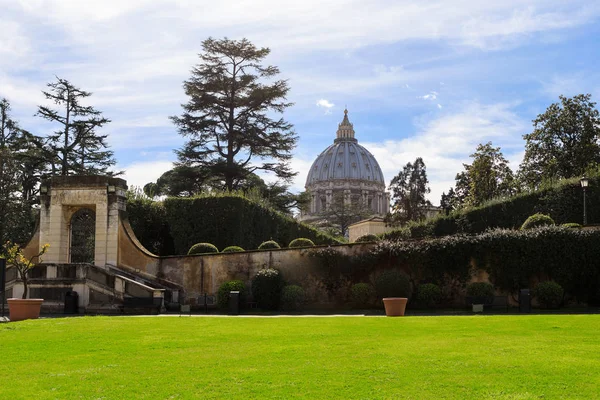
x=584 y=184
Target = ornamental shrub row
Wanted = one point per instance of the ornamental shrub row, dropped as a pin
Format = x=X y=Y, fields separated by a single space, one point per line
x=514 y=259
x=563 y=203
x=175 y=224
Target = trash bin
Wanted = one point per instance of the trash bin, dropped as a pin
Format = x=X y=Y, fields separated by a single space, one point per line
x=524 y=301
x=234 y=302
x=71 y=302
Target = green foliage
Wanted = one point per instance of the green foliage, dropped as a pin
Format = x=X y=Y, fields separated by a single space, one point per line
x=429 y=294
x=231 y=286
x=202 y=248
x=481 y=291
x=562 y=202
x=367 y=238
x=267 y=285
x=572 y=225
x=292 y=298
x=549 y=294
x=409 y=188
x=301 y=242
x=392 y=283
x=232 y=249
x=268 y=245
x=537 y=220
x=362 y=295
x=175 y=224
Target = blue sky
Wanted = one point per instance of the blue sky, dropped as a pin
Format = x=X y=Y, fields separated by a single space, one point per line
x=420 y=78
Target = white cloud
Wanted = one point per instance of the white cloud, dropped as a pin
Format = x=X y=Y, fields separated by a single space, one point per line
x=430 y=96
x=324 y=103
x=140 y=173
x=446 y=142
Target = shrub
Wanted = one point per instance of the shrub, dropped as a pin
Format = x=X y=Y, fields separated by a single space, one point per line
x=269 y=244
x=549 y=294
x=362 y=295
x=481 y=292
x=292 y=298
x=428 y=294
x=232 y=249
x=266 y=288
x=225 y=288
x=301 y=242
x=537 y=220
x=367 y=238
x=392 y=283
x=572 y=225
x=202 y=248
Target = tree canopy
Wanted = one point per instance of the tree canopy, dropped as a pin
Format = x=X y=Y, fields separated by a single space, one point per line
x=565 y=142
x=228 y=117
x=409 y=188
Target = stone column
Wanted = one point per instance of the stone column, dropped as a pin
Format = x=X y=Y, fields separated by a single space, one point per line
x=347 y=197
x=328 y=195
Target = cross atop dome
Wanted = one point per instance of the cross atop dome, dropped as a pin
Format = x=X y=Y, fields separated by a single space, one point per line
x=345 y=130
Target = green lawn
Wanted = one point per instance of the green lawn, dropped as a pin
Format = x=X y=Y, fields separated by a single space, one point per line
x=506 y=357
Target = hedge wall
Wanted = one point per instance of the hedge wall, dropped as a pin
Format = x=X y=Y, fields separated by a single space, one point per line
x=564 y=203
x=175 y=224
x=513 y=259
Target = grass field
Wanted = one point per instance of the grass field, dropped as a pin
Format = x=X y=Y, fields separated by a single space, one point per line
x=506 y=357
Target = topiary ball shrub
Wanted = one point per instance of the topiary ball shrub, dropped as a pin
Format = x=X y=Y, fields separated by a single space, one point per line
x=269 y=244
x=481 y=292
x=202 y=248
x=367 y=238
x=537 y=220
x=301 y=242
x=232 y=249
x=362 y=295
x=266 y=288
x=549 y=294
x=225 y=288
x=429 y=294
x=392 y=284
x=572 y=225
x=292 y=298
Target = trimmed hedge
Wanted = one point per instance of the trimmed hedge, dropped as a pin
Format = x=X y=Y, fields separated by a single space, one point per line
x=549 y=294
x=268 y=245
x=266 y=288
x=362 y=295
x=367 y=238
x=392 y=284
x=232 y=249
x=292 y=298
x=563 y=202
x=175 y=224
x=429 y=294
x=202 y=248
x=570 y=257
x=301 y=242
x=537 y=220
x=572 y=225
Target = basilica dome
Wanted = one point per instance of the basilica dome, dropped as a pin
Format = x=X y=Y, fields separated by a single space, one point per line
x=347 y=168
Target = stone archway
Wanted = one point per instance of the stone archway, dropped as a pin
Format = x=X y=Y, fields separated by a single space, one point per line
x=82 y=236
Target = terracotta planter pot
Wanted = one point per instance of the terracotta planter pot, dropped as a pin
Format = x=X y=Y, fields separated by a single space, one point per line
x=395 y=306
x=21 y=309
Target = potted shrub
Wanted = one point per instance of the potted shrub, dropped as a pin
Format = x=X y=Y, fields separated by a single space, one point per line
x=480 y=294
x=394 y=288
x=24 y=308
x=549 y=294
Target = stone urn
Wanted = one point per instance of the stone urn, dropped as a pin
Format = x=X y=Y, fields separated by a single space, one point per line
x=22 y=309
x=395 y=306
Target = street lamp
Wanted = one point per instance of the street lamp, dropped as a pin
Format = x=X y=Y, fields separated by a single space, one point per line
x=584 y=184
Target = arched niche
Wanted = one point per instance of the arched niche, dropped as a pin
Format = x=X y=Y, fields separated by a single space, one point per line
x=82 y=235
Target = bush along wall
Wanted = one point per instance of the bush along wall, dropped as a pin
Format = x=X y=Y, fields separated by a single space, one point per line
x=563 y=203
x=174 y=225
x=513 y=259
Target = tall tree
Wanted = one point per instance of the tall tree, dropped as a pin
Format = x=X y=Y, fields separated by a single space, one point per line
x=227 y=119
x=16 y=187
x=488 y=176
x=409 y=188
x=343 y=212
x=565 y=142
x=75 y=146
